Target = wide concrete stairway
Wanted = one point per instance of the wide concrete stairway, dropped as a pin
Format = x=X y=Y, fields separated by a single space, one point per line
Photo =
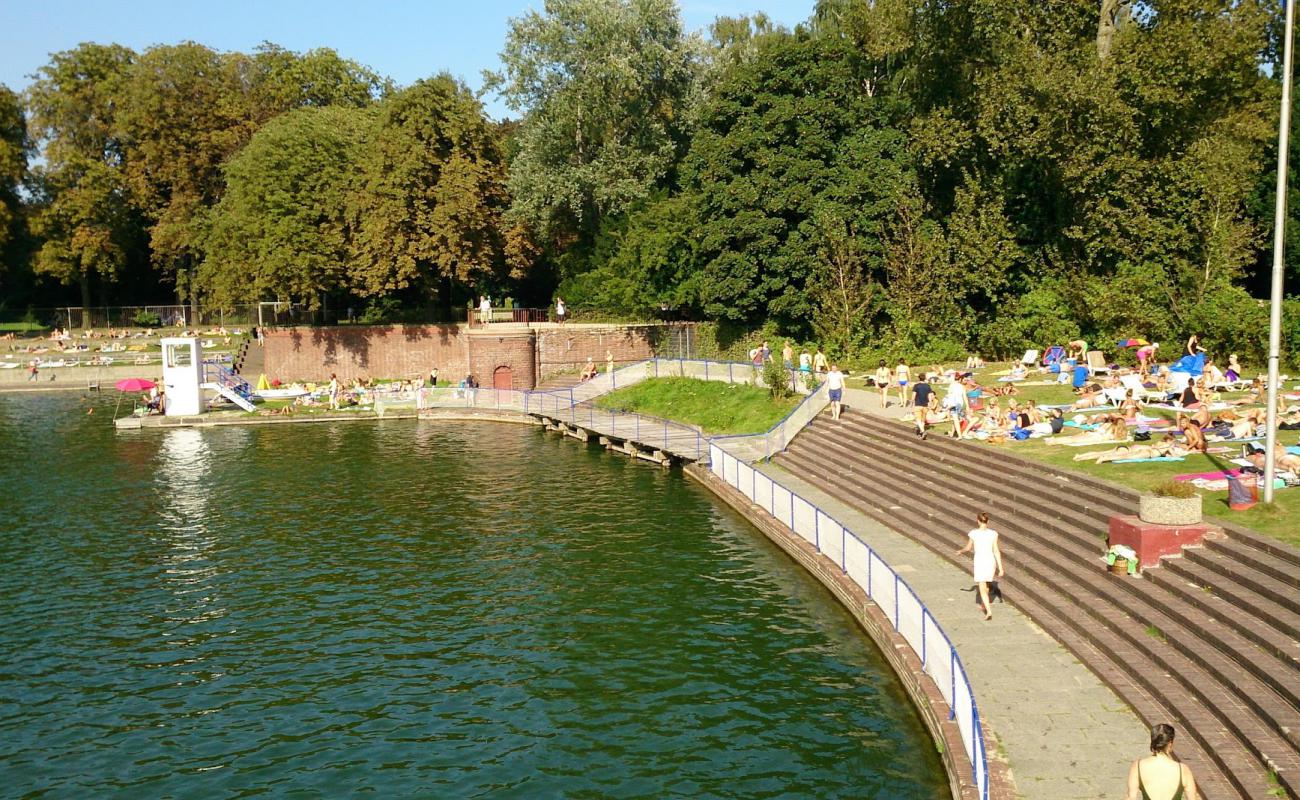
x=1209 y=641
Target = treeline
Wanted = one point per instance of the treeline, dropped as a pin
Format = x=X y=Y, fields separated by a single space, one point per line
x=900 y=177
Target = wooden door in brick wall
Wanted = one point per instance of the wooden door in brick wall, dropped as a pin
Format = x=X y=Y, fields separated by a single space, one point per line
x=502 y=378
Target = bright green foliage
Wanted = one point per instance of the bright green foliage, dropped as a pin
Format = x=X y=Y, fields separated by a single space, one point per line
x=431 y=194
x=281 y=231
x=13 y=166
x=718 y=408
x=187 y=109
x=602 y=85
x=80 y=216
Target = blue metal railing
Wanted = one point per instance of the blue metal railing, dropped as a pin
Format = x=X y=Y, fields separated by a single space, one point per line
x=882 y=585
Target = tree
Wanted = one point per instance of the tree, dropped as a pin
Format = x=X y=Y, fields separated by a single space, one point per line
x=80 y=215
x=432 y=194
x=281 y=229
x=14 y=147
x=603 y=86
x=779 y=136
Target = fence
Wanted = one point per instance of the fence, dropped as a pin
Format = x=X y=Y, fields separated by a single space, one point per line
x=883 y=586
x=245 y=316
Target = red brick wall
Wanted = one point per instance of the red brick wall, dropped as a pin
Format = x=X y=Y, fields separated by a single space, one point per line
x=406 y=351
x=488 y=351
x=399 y=351
x=560 y=349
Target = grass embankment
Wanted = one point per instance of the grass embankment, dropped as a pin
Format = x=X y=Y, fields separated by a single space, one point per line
x=1281 y=521
x=717 y=408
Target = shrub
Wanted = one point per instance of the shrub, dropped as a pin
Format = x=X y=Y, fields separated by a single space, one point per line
x=145 y=318
x=380 y=310
x=777 y=380
x=1173 y=488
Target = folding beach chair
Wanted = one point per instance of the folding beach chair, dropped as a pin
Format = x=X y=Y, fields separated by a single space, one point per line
x=1097 y=363
x=1140 y=392
x=1030 y=358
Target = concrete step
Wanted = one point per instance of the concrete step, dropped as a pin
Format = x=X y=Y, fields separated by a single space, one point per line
x=909 y=495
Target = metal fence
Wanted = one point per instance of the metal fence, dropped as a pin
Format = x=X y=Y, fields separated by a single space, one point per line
x=888 y=590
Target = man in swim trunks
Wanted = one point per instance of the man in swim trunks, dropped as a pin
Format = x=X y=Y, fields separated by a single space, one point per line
x=835 y=385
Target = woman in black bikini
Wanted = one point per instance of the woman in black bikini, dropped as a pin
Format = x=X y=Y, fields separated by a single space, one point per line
x=1161 y=776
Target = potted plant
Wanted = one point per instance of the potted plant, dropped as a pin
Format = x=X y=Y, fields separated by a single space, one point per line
x=1170 y=503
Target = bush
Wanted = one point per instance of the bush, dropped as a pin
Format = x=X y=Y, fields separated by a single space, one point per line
x=145 y=318
x=1173 y=488
x=777 y=380
x=380 y=311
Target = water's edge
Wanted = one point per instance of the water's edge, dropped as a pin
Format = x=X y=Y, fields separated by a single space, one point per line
x=920 y=688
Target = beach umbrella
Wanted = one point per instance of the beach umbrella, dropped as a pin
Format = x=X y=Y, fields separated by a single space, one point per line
x=130 y=385
x=1132 y=343
x=134 y=385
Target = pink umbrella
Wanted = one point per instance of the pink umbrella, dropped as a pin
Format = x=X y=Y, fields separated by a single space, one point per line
x=134 y=385
x=131 y=385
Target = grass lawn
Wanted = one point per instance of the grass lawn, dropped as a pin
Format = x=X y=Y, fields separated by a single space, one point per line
x=1281 y=521
x=718 y=408
x=22 y=327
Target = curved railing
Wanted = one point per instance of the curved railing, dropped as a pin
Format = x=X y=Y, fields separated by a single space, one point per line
x=885 y=587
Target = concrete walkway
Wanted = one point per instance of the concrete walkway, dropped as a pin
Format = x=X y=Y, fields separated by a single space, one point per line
x=1063 y=733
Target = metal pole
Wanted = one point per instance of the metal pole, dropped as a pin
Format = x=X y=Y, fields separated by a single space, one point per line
x=1279 y=238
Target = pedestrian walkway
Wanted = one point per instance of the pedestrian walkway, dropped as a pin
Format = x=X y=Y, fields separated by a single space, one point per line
x=1062 y=732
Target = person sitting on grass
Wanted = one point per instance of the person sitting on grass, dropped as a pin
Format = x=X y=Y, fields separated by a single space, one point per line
x=1192 y=435
x=588 y=372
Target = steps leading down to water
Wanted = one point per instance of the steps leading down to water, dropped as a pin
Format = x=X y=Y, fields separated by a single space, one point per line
x=1208 y=641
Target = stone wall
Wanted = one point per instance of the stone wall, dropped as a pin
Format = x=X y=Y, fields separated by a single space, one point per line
x=396 y=351
x=561 y=348
x=530 y=354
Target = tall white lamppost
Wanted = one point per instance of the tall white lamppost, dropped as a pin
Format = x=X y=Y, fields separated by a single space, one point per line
x=1279 y=237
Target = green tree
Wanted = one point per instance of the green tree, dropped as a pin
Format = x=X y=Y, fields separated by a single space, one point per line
x=14 y=147
x=603 y=87
x=432 y=195
x=80 y=214
x=281 y=230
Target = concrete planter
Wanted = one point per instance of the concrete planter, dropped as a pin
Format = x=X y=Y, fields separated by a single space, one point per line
x=1169 y=510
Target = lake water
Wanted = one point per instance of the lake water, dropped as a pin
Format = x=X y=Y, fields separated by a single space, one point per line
x=411 y=609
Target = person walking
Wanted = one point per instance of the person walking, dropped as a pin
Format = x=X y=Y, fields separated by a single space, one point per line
x=1161 y=776
x=903 y=375
x=33 y=371
x=921 y=394
x=982 y=543
x=787 y=355
x=957 y=403
x=485 y=310
x=819 y=362
x=560 y=310
x=884 y=377
x=835 y=385
x=334 y=392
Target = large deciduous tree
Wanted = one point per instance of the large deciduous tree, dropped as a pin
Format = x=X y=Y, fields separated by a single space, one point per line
x=81 y=216
x=603 y=86
x=281 y=229
x=432 y=195
x=14 y=146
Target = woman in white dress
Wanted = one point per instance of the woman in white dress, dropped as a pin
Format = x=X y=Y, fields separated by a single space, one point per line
x=983 y=542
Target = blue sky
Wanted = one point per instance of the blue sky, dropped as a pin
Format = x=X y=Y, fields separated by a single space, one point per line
x=405 y=40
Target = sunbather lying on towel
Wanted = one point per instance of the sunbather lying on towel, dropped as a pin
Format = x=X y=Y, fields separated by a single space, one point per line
x=1162 y=449
x=1114 y=430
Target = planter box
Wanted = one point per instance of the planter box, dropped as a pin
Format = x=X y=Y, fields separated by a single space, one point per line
x=1150 y=541
x=1169 y=510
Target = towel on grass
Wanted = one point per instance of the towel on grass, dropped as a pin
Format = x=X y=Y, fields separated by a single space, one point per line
x=1147 y=460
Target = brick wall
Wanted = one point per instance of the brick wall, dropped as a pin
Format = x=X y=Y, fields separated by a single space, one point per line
x=569 y=347
x=514 y=351
x=398 y=351
x=405 y=351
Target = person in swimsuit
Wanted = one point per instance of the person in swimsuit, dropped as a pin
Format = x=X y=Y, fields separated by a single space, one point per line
x=1161 y=776
x=884 y=377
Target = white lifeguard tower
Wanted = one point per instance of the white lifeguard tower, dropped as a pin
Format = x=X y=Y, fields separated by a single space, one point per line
x=183 y=376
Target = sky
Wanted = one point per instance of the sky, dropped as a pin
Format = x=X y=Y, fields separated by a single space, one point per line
x=403 y=39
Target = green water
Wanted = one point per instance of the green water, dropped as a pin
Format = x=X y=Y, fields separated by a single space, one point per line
x=411 y=610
